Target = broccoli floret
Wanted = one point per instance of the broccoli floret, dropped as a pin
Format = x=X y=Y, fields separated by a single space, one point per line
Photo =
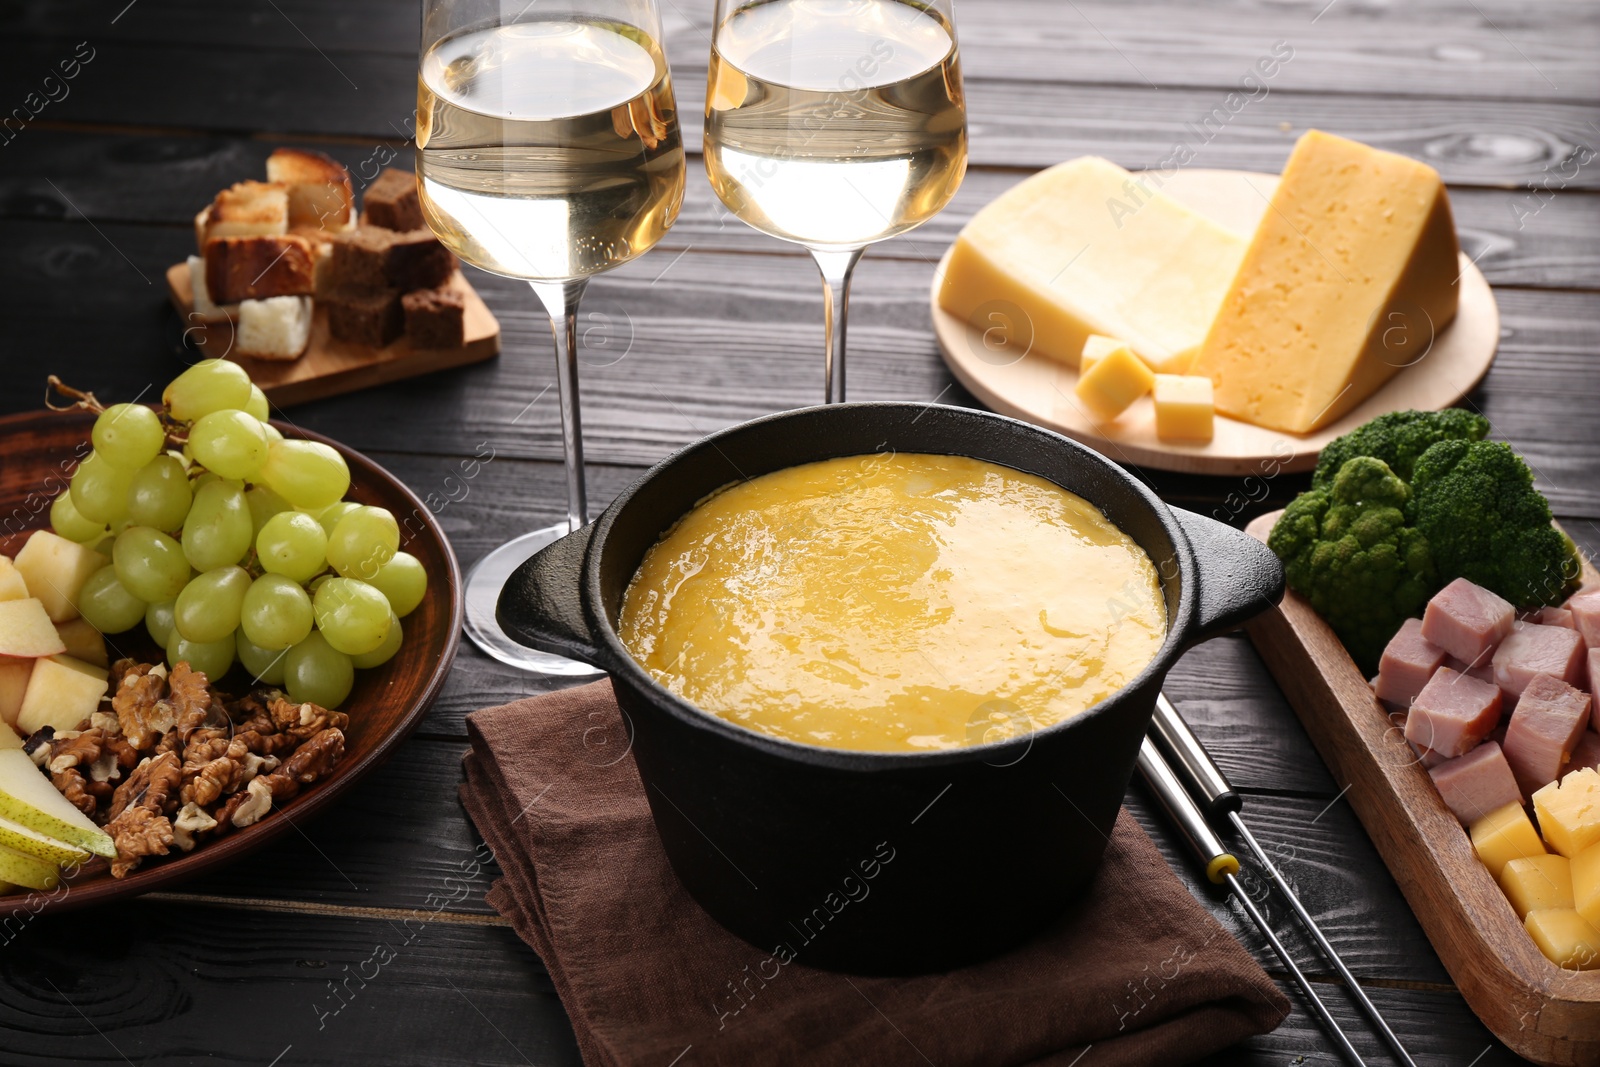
x=1347 y=549
x=1476 y=504
x=1398 y=438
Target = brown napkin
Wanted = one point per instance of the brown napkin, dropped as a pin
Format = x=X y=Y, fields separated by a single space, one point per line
x=1139 y=973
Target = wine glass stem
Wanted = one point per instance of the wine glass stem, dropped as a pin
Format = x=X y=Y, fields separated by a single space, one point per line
x=836 y=268
x=560 y=299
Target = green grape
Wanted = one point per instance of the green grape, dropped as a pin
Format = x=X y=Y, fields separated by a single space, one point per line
x=329 y=516
x=66 y=521
x=257 y=404
x=218 y=529
x=208 y=608
x=316 y=672
x=272 y=432
x=210 y=385
x=364 y=540
x=230 y=443
x=291 y=543
x=159 y=495
x=277 y=612
x=308 y=474
x=264 y=504
x=149 y=564
x=158 y=621
x=128 y=436
x=264 y=664
x=402 y=581
x=99 y=490
x=210 y=658
x=384 y=652
x=352 y=615
x=106 y=605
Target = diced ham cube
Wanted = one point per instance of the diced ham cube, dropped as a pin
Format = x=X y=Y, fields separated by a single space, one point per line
x=1476 y=784
x=1585 y=609
x=1591 y=678
x=1453 y=713
x=1544 y=729
x=1466 y=620
x=1549 y=617
x=1408 y=662
x=1427 y=757
x=1482 y=668
x=1587 y=751
x=1532 y=650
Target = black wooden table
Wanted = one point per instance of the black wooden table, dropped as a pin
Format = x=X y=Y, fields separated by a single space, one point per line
x=365 y=938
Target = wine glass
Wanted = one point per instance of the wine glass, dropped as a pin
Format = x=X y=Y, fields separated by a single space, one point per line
x=835 y=124
x=548 y=149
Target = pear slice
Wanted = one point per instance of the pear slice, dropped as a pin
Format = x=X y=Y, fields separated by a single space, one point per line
x=19 y=838
x=9 y=738
x=27 y=797
x=27 y=870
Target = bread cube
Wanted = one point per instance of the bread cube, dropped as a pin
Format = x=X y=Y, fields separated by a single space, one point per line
x=247 y=209
x=55 y=570
x=318 y=186
x=435 y=318
x=1467 y=620
x=1531 y=650
x=1409 y=660
x=370 y=319
x=1537 y=883
x=254 y=268
x=62 y=693
x=12 y=585
x=1569 y=811
x=392 y=201
x=1565 y=938
x=278 y=328
x=1544 y=729
x=369 y=260
x=1503 y=835
x=1453 y=713
x=1184 y=408
x=1586 y=884
x=13 y=684
x=1114 y=383
x=208 y=311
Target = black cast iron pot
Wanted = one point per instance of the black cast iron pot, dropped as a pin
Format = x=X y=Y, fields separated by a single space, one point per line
x=865 y=861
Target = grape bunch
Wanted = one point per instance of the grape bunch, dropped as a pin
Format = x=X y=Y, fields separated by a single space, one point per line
x=239 y=547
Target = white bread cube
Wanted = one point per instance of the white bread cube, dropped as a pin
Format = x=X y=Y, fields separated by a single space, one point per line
x=320 y=194
x=278 y=328
x=203 y=307
x=248 y=209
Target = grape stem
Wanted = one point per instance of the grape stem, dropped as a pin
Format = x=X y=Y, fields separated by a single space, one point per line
x=82 y=400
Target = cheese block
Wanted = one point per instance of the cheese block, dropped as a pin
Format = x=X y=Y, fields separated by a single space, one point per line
x=1087 y=248
x=1351 y=274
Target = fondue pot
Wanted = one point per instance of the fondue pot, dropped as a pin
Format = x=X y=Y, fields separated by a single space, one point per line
x=880 y=862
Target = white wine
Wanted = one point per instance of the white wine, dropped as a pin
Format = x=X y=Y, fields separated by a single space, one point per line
x=835 y=123
x=548 y=149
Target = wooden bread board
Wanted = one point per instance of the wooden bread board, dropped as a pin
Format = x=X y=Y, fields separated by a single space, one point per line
x=1542 y=1012
x=329 y=367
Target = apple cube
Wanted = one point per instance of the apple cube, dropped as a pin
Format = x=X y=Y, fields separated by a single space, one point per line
x=13 y=683
x=62 y=693
x=27 y=870
x=26 y=630
x=12 y=587
x=84 y=642
x=55 y=570
x=28 y=798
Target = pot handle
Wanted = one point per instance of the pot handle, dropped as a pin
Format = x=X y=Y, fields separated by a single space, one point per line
x=1239 y=577
x=541 y=604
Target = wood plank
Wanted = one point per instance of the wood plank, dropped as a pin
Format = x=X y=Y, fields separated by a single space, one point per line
x=1013 y=123
x=1516 y=237
x=1497 y=50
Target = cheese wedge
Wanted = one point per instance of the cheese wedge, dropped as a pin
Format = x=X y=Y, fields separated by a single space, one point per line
x=1088 y=248
x=1351 y=274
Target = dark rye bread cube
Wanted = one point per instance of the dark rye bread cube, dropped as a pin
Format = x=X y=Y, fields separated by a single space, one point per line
x=369 y=259
x=392 y=201
x=416 y=260
x=435 y=318
x=372 y=319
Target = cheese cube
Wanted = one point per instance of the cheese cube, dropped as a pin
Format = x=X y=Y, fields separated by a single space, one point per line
x=1351 y=274
x=1113 y=383
x=1536 y=883
x=12 y=585
x=1503 y=835
x=1087 y=248
x=1183 y=407
x=1586 y=884
x=1095 y=349
x=1569 y=811
x=277 y=328
x=1565 y=938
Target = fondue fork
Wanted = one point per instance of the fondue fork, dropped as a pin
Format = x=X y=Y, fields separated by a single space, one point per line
x=1222 y=868
x=1217 y=799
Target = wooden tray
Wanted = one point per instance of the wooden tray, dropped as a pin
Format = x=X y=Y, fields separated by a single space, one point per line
x=329 y=367
x=386 y=705
x=1545 y=1013
x=1039 y=389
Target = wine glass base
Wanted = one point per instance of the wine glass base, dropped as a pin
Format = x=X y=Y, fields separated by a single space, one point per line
x=484 y=582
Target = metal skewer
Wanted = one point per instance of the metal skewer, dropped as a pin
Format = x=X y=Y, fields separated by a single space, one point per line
x=1216 y=798
x=1222 y=867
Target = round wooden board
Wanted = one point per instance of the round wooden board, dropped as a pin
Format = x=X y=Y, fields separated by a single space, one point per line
x=1040 y=389
x=386 y=705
